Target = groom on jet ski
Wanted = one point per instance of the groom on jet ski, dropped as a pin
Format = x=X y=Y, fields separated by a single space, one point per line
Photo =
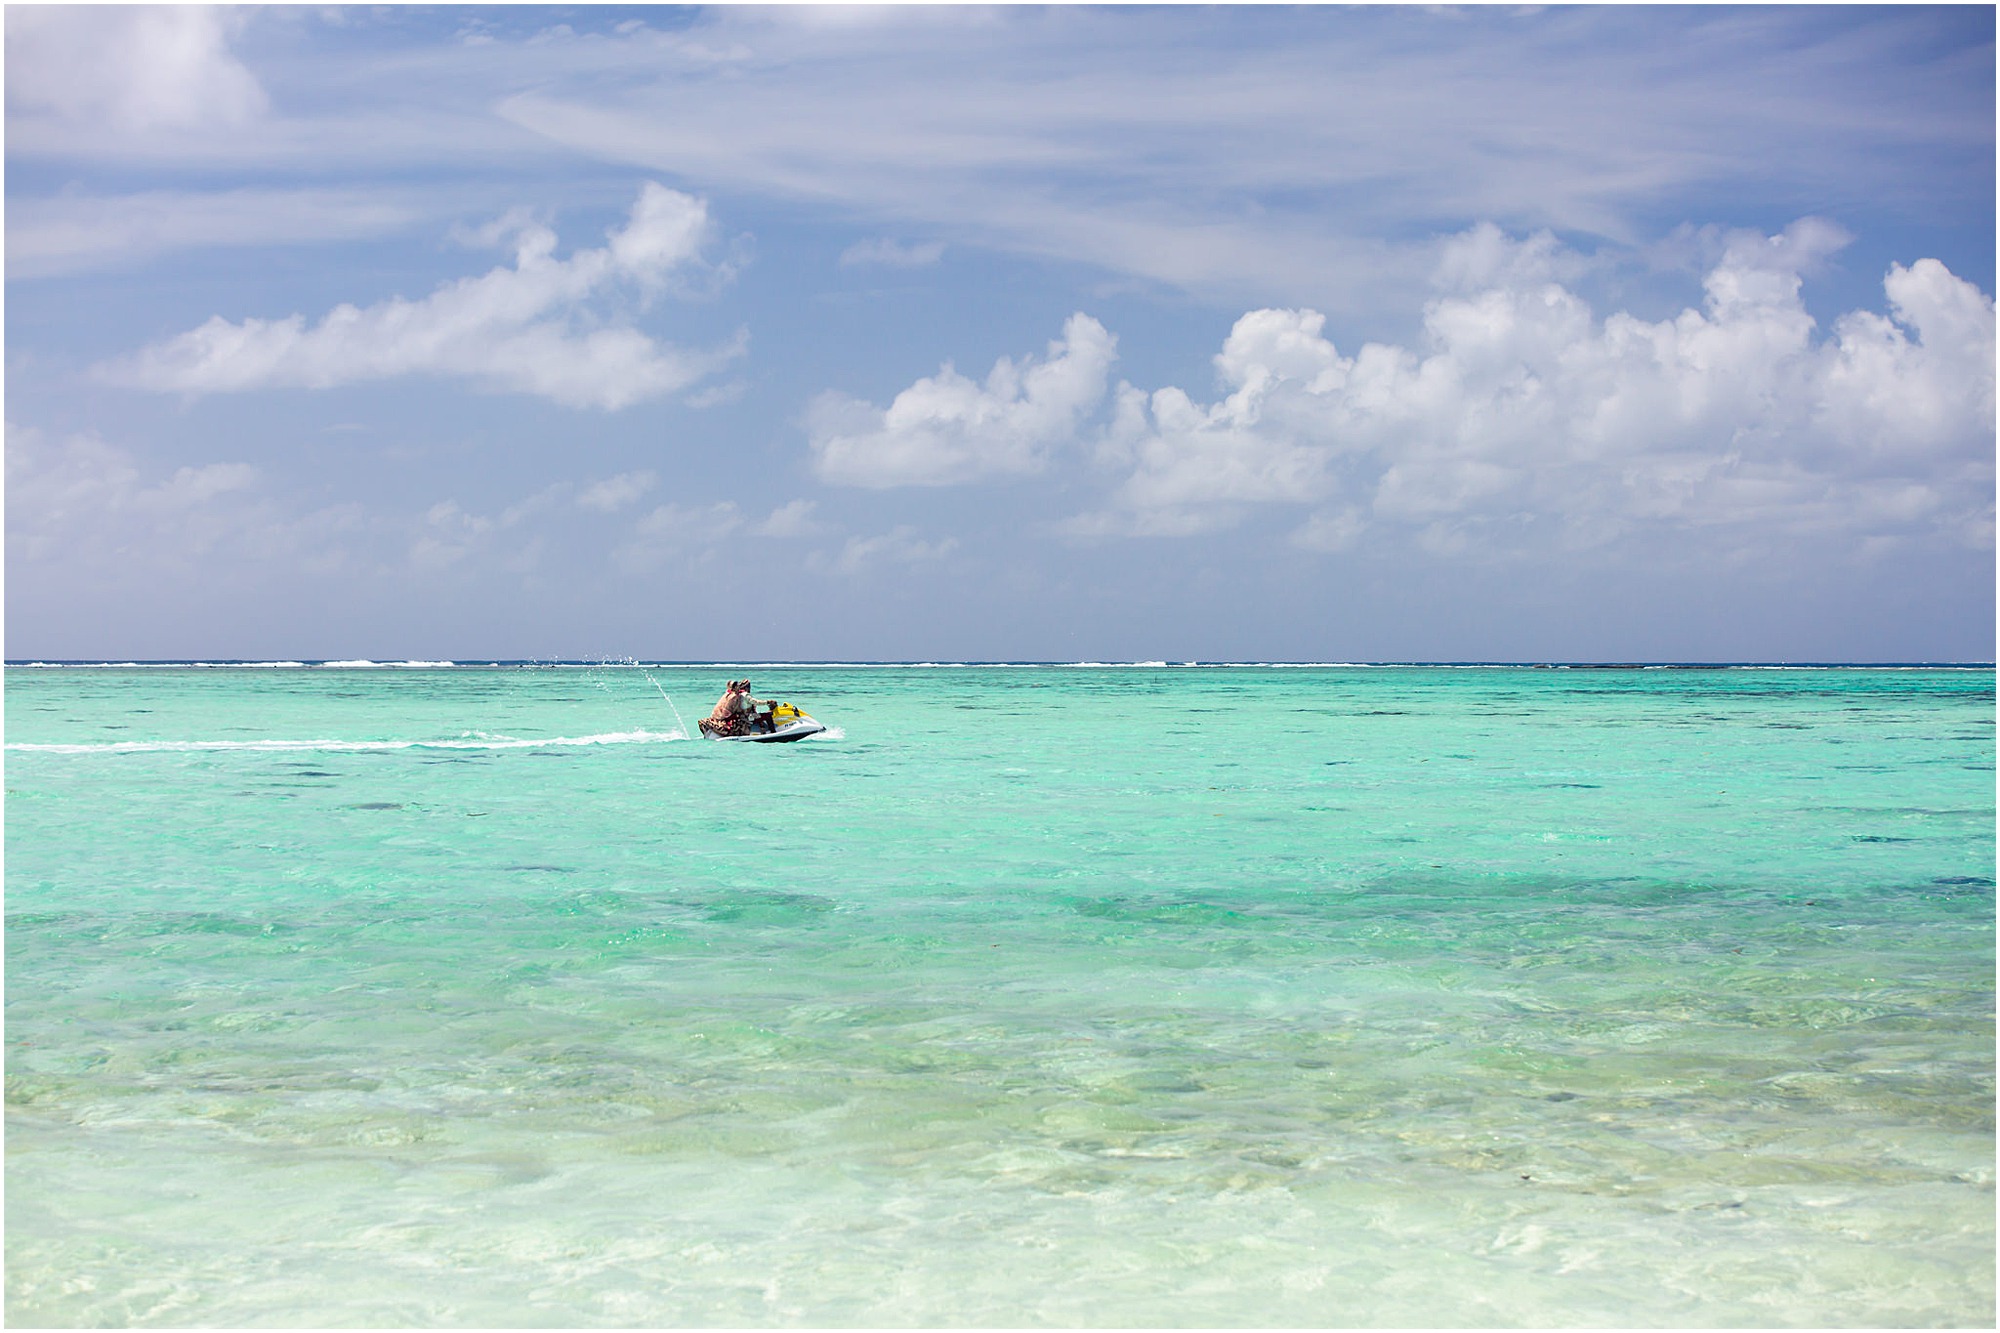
x=736 y=712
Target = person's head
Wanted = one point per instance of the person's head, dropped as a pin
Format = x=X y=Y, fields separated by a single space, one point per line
x=745 y=685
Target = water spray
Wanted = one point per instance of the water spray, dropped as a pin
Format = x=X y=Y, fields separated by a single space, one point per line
x=670 y=703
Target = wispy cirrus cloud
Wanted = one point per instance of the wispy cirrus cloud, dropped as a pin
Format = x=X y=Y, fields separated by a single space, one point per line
x=524 y=328
x=1140 y=159
x=883 y=252
x=1072 y=134
x=70 y=232
x=148 y=68
x=82 y=511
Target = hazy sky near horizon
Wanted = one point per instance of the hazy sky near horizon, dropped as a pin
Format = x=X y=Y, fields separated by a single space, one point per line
x=1025 y=333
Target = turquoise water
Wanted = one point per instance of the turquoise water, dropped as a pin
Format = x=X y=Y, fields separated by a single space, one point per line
x=1025 y=996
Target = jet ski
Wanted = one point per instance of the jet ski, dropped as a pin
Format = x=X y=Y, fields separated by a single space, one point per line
x=779 y=722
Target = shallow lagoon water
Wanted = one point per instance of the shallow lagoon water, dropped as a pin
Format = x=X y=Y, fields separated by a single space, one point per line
x=1028 y=996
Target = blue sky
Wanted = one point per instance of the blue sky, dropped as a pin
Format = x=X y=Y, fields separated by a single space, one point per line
x=959 y=333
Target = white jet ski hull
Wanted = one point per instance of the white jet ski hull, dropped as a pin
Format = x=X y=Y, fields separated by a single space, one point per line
x=791 y=731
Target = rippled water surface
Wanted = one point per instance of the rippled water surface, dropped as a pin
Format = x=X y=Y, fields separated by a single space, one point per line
x=1025 y=996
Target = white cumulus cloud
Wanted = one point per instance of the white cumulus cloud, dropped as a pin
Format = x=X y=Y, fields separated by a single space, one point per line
x=794 y=518
x=525 y=328
x=1524 y=417
x=947 y=429
x=615 y=493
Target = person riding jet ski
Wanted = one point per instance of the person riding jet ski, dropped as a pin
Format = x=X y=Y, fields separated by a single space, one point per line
x=736 y=713
x=738 y=717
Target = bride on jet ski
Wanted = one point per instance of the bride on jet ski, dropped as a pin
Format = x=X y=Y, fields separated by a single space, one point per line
x=738 y=717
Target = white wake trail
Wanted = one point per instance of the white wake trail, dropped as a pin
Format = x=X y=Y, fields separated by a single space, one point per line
x=281 y=746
